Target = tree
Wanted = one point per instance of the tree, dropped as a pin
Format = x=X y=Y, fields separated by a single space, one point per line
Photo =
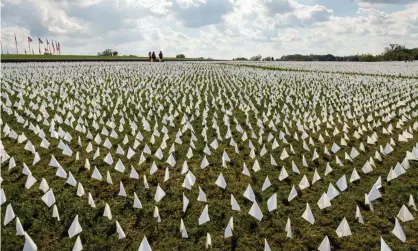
x=394 y=48
x=180 y=56
x=107 y=52
x=241 y=59
x=414 y=53
x=115 y=53
x=256 y=58
x=367 y=58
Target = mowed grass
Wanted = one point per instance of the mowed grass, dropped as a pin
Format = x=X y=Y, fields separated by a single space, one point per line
x=100 y=234
x=39 y=58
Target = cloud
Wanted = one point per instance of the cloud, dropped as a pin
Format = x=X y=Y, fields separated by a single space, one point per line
x=383 y=3
x=289 y=35
x=274 y=7
x=200 y=13
x=8 y=39
x=40 y=17
x=388 y=1
x=208 y=28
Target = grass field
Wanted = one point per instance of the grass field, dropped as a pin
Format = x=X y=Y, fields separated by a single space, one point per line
x=254 y=114
x=52 y=58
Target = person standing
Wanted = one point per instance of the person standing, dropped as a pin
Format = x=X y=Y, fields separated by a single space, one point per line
x=153 y=56
x=149 y=56
x=160 y=56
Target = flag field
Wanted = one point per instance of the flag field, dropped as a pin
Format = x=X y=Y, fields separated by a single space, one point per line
x=52 y=58
x=208 y=156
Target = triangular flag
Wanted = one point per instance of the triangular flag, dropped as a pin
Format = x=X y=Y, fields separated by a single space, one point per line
x=324 y=201
x=107 y=213
x=293 y=193
x=75 y=227
x=272 y=202
x=249 y=193
x=49 y=198
x=289 y=229
x=404 y=214
x=325 y=245
x=384 y=246
x=220 y=181
x=29 y=244
x=234 y=204
x=159 y=193
x=398 y=231
x=204 y=216
x=307 y=215
x=144 y=246
x=343 y=229
x=78 y=246
x=255 y=211
x=119 y=230
x=9 y=215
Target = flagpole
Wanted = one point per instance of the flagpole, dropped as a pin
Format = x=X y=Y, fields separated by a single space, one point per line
x=29 y=45
x=1 y=48
x=17 y=52
x=39 y=46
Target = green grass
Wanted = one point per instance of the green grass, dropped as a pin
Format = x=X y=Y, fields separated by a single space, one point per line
x=39 y=58
x=146 y=86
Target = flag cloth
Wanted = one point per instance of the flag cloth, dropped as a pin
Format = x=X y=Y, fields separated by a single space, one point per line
x=15 y=38
x=25 y=52
x=59 y=46
x=46 y=49
x=29 y=39
x=47 y=42
x=40 y=41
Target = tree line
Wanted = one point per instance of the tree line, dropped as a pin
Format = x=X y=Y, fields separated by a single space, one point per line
x=394 y=52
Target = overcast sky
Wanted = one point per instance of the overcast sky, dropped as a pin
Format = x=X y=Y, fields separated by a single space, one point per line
x=221 y=29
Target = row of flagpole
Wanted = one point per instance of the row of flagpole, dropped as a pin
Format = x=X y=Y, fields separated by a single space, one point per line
x=54 y=50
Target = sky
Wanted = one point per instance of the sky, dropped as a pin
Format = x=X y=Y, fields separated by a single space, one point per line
x=220 y=29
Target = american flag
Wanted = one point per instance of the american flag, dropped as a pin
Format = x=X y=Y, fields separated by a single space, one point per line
x=40 y=41
x=29 y=39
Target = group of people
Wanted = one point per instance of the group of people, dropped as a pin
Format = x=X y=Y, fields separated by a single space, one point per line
x=153 y=58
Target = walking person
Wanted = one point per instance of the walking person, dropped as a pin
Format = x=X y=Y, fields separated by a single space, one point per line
x=153 y=57
x=149 y=56
x=160 y=56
